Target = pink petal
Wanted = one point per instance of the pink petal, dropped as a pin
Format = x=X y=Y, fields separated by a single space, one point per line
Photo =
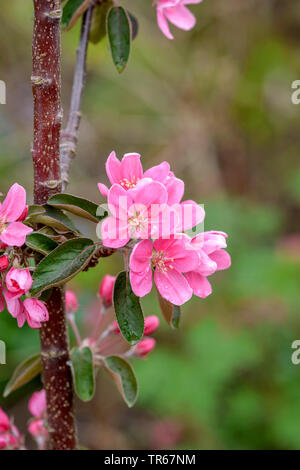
x=191 y=214
x=200 y=285
x=15 y=234
x=21 y=318
x=163 y=24
x=4 y=421
x=2 y=302
x=131 y=167
x=114 y=233
x=173 y=286
x=141 y=283
x=175 y=190
x=221 y=258
x=14 y=203
x=36 y=310
x=186 y=260
x=113 y=167
x=37 y=404
x=119 y=201
x=103 y=189
x=158 y=172
x=206 y=265
x=35 y=325
x=213 y=241
x=141 y=256
x=148 y=192
x=181 y=17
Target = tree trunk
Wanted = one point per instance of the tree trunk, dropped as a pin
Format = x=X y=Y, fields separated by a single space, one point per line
x=47 y=181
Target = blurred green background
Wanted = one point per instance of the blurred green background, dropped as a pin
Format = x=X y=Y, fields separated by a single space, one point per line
x=216 y=103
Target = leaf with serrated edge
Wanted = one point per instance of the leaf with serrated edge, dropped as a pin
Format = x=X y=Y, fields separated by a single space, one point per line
x=124 y=377
x=83 y=372
x=40 y=243
x=119 y=36
x=128 y=309
x=75 y=205
x=24 y=373
x=62 y=264
x=170 y=312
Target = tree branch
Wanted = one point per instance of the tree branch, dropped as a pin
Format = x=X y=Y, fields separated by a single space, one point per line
x=46 y=88
x=69 y=135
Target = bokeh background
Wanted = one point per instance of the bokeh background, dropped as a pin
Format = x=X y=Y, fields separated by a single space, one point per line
x=216 y=103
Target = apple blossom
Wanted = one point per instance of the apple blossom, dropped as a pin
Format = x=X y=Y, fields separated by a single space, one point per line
x=37 y=406
x=169 y=258
x=35 y=312
x=18 y=282
x=12 y=232
x=4 y=262
x=144 y=347
x=176 y=12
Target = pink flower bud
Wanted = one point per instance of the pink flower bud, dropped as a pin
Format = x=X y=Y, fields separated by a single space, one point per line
x=18 y=281
x=144 y=347
x=71 y=302
x=106 y=289
x=151 y=324
x=37 y=404
x=4 y=421
x=36 y=312
x=4 y=262
x=24 y=214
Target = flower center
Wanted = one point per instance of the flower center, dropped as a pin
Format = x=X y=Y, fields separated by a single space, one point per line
x=126 y=184
x=161 y=262
x=138 y=222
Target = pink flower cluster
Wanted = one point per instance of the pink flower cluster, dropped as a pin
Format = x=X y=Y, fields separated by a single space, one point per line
x=176 y=12
x=10 y=438
x=181 y=264
x=15 y=279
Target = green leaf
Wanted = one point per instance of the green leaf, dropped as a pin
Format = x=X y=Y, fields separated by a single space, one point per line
x=40 y=243
x=72 y=11
x=171 y=313
x=35 y=210
x=98 y=24
x=83 y=372
x=25 y=372
x=119 y=36
x=54 y=217
x=62 y=264
x=75 y=205
x=124 y=377
x=128 y=310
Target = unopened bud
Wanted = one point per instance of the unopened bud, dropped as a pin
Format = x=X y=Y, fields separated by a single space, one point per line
x=71 y=302
x=4 y=262
x=106 y=289
x=151 y=324
x=144 y=347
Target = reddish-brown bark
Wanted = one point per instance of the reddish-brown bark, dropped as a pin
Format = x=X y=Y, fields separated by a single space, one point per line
x=47 y=181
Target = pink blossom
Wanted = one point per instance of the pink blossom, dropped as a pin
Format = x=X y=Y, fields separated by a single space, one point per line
x=144 y=347
x=37 y=404
x=176 y=12
x=138 y=213
x=212 y=257
x=37 y=429
x=12 y=232
x=129 y=171
x=18 y=282
x=106 y=289
x=36 y=312
x=169 y=258
x=4 y=262
x=15 y=308
x=71 y=302
x=9 y=435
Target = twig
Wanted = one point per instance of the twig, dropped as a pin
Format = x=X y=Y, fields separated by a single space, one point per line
x=69 y=135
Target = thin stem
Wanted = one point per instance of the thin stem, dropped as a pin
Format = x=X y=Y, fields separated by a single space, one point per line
x=69 y=135
x=46 y=87
x=73 y=325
